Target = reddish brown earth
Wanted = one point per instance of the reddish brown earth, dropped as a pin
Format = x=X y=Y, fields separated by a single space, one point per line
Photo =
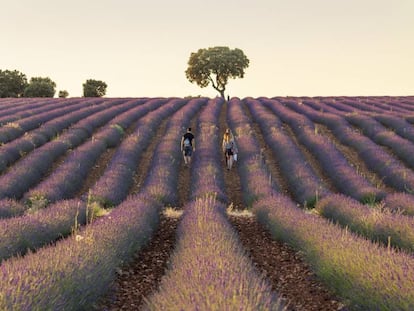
x=282 y=266
x=142 y=276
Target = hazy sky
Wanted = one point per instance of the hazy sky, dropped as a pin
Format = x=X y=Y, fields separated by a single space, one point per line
x=141 y=48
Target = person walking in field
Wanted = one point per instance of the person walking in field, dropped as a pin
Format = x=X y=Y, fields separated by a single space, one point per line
x=229 y=148
x=187 y=146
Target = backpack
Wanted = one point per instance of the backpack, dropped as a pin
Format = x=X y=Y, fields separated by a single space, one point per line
x=187 y=142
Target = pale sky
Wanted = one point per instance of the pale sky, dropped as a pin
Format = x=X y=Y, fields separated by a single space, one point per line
x=141 y=48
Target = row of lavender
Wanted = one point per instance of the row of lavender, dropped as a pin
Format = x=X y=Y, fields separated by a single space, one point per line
x=16 y=125
x=14 y=150
x=69 y=177
x=17 y=110
x=36 y=229
x=304 y=184
x=209 y=268
x=366 y=275
x=207 y=175
x=389 y=228
x=80 y=269
x=370 y=105
x=342 y=175
x=110 y=124
x=394 y=172
x=19 y=104
x=399 y=123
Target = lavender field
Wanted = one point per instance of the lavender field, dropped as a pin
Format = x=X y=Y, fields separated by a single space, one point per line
x=85 y=182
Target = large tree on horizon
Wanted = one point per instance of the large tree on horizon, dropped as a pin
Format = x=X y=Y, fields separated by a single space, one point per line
x=216 y=65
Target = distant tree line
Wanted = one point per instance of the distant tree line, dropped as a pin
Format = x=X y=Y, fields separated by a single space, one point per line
x=15 y=84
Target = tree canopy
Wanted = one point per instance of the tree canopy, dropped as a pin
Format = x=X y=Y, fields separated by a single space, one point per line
x=12 y=83
x=94 y=88
x=40 y=87
x=216 y=65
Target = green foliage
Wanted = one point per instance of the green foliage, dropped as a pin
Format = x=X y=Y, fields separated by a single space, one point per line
x=12 y=83
x=94 y=88
x=216 y=65
x=63 y=94
x=40 y=87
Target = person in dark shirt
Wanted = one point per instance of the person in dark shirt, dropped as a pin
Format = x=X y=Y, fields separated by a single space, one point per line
x=187 y=146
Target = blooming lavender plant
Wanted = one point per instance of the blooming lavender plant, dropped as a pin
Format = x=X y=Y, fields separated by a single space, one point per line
x=397 y=124
x=68 y=178
x=33 y=230
x=400 y=202
x=29 y=171
x=20 y=108
x=11 y=152
x=207 y=175
x=13 y=130
x=28 y=109
x=75 y=272
x=209 y=269
x=11 y=208
x=342 y=174
x=374 y=223
x=402 y=148
x=302 y=181
x=394 y=173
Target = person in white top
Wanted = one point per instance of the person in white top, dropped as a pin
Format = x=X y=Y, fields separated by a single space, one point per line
x=229 y=148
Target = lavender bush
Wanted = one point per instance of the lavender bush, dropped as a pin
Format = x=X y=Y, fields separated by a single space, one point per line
x=209 y=269
x=402 y=148
x=23 y=107
x=27 y=172
x=306 y=187
x=400 y=203
x=207 y=174
x=75 y=272
x=394 y=173
x=342 y=174
x=371 y=222
x=27 y=109
x=397 y=124
x=11 y=208
x=31 y=231
x=15 y=129
x=11 y=152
